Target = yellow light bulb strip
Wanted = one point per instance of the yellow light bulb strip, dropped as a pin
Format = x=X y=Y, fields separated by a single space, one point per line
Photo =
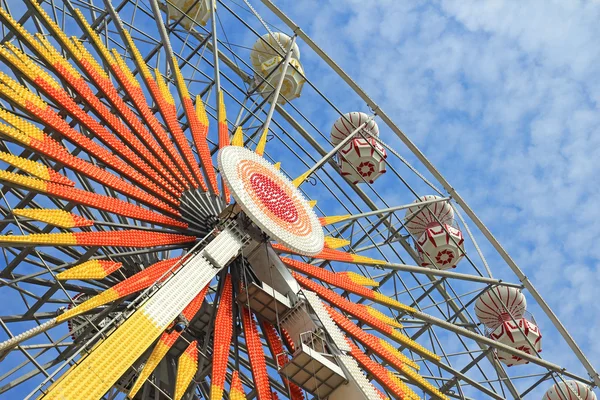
x=262 y=142
x=95 y=374
x=186 y=369
x=59 y=218
x=399 y=355
x=333 y=219
x=382 y=317
x=359 y=279
x=93 y=269
x=335 y=243
x=238 y=137
x=236 y=390
x=165 y=343
x=36 y=169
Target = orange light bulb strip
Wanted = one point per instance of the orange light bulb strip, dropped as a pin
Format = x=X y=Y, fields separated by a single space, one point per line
x=103 y=82
x=111 y=204
x=49 y=117
x=133 y=89
x=223 y=135
x=166 y=104
x=200 y=126
x=33 y=138
x=381 y=394
x=370 y=341
x=287 y=339
x=379 y=373
x=343 y=282
x=280 y=356
x=222 y=341
x=37 y=108
x=106 y=85
x=335 y=255
x=140 y=101
x=93 y=200
x=125 y=238
x=257 y=356
x=62 y=68
x=198 y=123
x=130 y=238
x=89 y=65
x=362 y=315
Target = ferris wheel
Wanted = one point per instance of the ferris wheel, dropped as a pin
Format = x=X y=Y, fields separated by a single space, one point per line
x=187 y=215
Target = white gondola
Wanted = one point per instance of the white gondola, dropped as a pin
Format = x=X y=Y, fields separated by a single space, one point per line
x=266 y=56
x=347 y=123
x=500 y=304
x=569 y=390
x=419 y=217
x=197 y=10
x=441 y=246
x=522 y=335
x=362 y=160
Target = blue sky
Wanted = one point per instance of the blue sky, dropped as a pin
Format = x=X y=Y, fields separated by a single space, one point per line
x=503 y=97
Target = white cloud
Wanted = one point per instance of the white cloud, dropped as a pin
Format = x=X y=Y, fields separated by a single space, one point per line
x=503 y=97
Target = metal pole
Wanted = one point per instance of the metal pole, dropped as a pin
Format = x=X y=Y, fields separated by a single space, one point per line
x=215 y=49
x=383 y=211
x=449 y=274
x=284 y=67
x=298 y=181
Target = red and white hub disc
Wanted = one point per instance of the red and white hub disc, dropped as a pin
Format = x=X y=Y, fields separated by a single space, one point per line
x=271 y=200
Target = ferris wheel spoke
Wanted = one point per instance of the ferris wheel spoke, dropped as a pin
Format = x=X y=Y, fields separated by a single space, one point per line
x=41 y=110
x=54 y=60
x=136 y=93
x=42 y=144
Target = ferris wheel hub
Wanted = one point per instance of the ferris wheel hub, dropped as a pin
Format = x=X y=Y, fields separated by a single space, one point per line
x=271 y=200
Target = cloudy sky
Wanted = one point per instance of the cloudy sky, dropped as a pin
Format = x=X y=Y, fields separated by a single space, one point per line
x=503 y=97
